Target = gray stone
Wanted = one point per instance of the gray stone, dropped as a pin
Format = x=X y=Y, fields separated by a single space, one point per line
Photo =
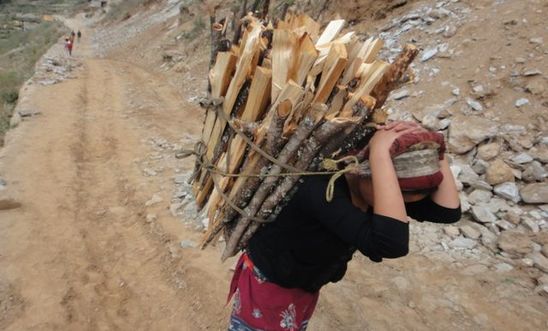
x=537 y=40
x=481 y=185
x=475 y=105
x=521 y=102
x=455 y=91
x=535 y=193
x=504 y=225
x=469 y=232
x=478 y=196
x=466 y=132
x=508 y=191
x=464 y=204
x=180 y=179
x=540 y=153
x=540 y=261
x=451 y=230
x=488 y=151
x=429 y=53
x=462 y=243
x=515 y=243
x=531 y=72
x=467 y=175
x=156 y=198
x=534 y=172
x=449 y=31
x=488 y=238
x=522 y=158
x=498 y=172
x=151 y=218
x=149 y=172
x=496 y=204
x=483 y=215
x=3 y=184
x=444 y=123
x=187 y=244
x=513 y=216
x=401 y=94
x=431 y=122
x=480 y=166
x=530 y=224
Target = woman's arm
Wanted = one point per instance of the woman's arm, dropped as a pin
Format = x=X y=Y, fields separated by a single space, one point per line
x=388 y=199
x=447 y=194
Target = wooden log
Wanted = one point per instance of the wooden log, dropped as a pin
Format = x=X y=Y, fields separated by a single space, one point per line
x=334 y=66
x=394 y=74
x=368 y=82
x=330 y=32
x=284 y=53
x=244 y=187
x=307 y=125
x=306 y=57
x=310 y=149
x=238 y=23
x=366 y=54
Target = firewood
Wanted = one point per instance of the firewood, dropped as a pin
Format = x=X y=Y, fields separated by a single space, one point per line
x=333 y=67
x=307 y=125
x=310 y=149
x=284 y=53
x=307 y=55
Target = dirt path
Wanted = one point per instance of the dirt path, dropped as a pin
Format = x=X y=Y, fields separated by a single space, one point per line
x=81 y=249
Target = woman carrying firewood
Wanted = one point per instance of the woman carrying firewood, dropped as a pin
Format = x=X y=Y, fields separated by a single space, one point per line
x=277 y=279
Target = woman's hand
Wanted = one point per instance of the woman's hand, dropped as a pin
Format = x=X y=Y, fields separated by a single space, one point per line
x=385 y=136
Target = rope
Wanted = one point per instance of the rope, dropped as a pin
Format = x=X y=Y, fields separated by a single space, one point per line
x=332 y=164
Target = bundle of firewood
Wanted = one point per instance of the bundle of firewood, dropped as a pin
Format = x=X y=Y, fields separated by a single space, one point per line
x=282 y=97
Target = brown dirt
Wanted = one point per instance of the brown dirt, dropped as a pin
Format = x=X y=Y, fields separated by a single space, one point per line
x=78 y=252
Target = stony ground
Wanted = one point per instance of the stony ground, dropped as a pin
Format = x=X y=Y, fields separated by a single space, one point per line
x=98 y=229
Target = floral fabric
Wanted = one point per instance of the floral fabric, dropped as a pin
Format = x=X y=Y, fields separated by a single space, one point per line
x=260 y=305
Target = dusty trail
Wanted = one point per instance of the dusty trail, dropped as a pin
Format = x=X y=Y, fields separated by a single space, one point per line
x=78 y=253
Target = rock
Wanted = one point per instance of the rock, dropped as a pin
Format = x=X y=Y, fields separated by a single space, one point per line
x=478 y=196
x=496 y=204
x=480 y=166
x=455 y=91
x=540 y=153
x=536 y=40
x=488 y=238
x=488 y=151
x=149 y=172
x=187 y=244
x=535 y=86
x=535 y=193
x=462 y=243
x=451 y=230
x=513 y=216
x=481 y=185
x=431 y=122
x=180 y=179
x=522 y=158
x=401 y=94
x=475 y=105
x=464 y=204
x=483 y=215
x=15 y=120
x=449 y=31
x=469 y=232
x=429 y=53
x=466 y=132
x=508 y=191
x=3 y=184
x=542 y=290
x=515 y=243
x=531 y=224
x=498 y=172
x=504 y=225
x=151 y=218
x=540 y=261
x=521 y=102
x=503 y=267
x=531 y=72
x=156 y=198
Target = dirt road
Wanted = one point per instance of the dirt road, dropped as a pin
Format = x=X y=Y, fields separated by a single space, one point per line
x=81 y=250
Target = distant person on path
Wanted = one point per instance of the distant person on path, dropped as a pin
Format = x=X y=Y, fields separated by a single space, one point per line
x=277 y=281
x=79 y=35
x=68 y=46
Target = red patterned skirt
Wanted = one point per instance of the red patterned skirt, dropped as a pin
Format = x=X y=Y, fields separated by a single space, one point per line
x=262 y=305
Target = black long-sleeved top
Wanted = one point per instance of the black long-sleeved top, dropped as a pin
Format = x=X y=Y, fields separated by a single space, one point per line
x=312 y=240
